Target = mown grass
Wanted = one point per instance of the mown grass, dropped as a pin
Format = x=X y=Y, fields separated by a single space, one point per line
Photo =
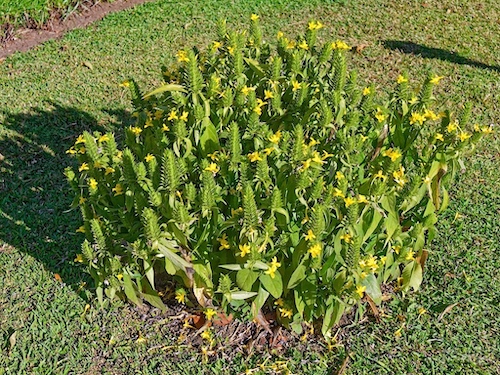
x=49 y=95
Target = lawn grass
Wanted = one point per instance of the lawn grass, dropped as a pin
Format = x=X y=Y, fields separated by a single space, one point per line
x=49 y=95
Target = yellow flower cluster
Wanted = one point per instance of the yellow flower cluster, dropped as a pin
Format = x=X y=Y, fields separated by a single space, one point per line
x=315 y=25
x=338 y=44
x=273 y=267
x=392 y=154
x=315 y=250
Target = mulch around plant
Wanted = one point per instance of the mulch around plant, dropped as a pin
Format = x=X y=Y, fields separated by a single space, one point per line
x=26 y=38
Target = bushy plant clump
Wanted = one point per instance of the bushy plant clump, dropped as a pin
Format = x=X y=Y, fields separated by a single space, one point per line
x=260 y=177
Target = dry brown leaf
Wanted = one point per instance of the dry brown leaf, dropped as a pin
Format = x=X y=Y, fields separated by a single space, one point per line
x=446 y=311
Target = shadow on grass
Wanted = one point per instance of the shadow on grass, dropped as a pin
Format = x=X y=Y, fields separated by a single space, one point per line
x=34 y=195
x=435 y=53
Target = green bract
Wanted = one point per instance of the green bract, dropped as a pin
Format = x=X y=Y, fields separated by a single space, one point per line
x=261 y=176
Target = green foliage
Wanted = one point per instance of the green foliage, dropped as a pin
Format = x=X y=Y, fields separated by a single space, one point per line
x=262 y=176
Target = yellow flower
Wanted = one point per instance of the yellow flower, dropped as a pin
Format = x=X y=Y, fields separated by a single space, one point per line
x=216 y=45
x=254 y=17
x=439 y=137
x=103 y=138
x=436 y=79
x=286 y=313
x=380 y=115
x=109 y=170
x=268 y=94
x=82 y=200
x=347 y=238
x=338 y=193
x=71 y=151
x=230 y=50
x=214 y=168
x=210 y=313
x=98 y=164
x=362 y=199
x=268 y=150
x=254 y=156
x=280 y=35
x=279 y=302
x=340 y=45
x=149 y=158
x=79 y=258
x=245 y=90
x=339 y=176
x=413 y=100
x=401 y=79
x=392 y=154
x=315 y=250
x=410 y=255
x=180 y=296
x=182 y=56
x=486 y=130
x=273 y=267
x=310 y=235
x=367 y=91
x=83 y=167
x=81 y=229
x=372 y=263
x=258 y=110
x=125 y=83
x=452 y=127
x=464 y=136
x=245 y=249
x=317 y=158
x=295 y=85
x=380 y=175
x=421 y=311
x=306 y=164
x=397 y=249
x=360 y=290
x=430 y=115
x=172 y=115
x=399 y=176
x=349 y=201
x=223 y=242
x=184 y=116
x=118 y=189
x=148 y=124
x=291 y=44
x=93 y=184
x=417 y=117
x=213 y=156
x=315 y=25
x=427 y=180
x=136 y=130
x=80 y=139
x=206 y=335
x=165 y=128
x=313 y=142
x=303 y=45
x=326 y=155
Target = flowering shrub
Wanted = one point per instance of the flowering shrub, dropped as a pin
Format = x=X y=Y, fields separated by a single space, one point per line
x=261 y=176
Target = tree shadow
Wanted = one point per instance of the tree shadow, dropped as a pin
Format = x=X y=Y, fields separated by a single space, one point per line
x=34 y=195
x=435 y=53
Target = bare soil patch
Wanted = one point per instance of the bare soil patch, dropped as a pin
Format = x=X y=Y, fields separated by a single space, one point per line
x=28 y=37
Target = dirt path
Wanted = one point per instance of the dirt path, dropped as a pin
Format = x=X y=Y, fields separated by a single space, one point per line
x=25 y=39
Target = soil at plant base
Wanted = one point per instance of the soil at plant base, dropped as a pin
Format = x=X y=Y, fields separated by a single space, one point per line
x=26 y=38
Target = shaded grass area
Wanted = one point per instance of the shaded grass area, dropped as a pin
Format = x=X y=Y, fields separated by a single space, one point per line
x=50 y=95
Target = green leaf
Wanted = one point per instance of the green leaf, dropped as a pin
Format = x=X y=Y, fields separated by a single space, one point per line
x=377 y=216
x=245 y=278
x=208 y=139
x=446 y=200
x=414 y=199
x=164 y=88
x=332 y=315
x=372 y=288
x=430 y=208
x=149 y=271
x=231 y=267
x=297 y=276
x=259 y=301
x=272 y=285
x=167 y=248
x=151 y=296
x=241 y=295
x=412 y=276
x=130 y=291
